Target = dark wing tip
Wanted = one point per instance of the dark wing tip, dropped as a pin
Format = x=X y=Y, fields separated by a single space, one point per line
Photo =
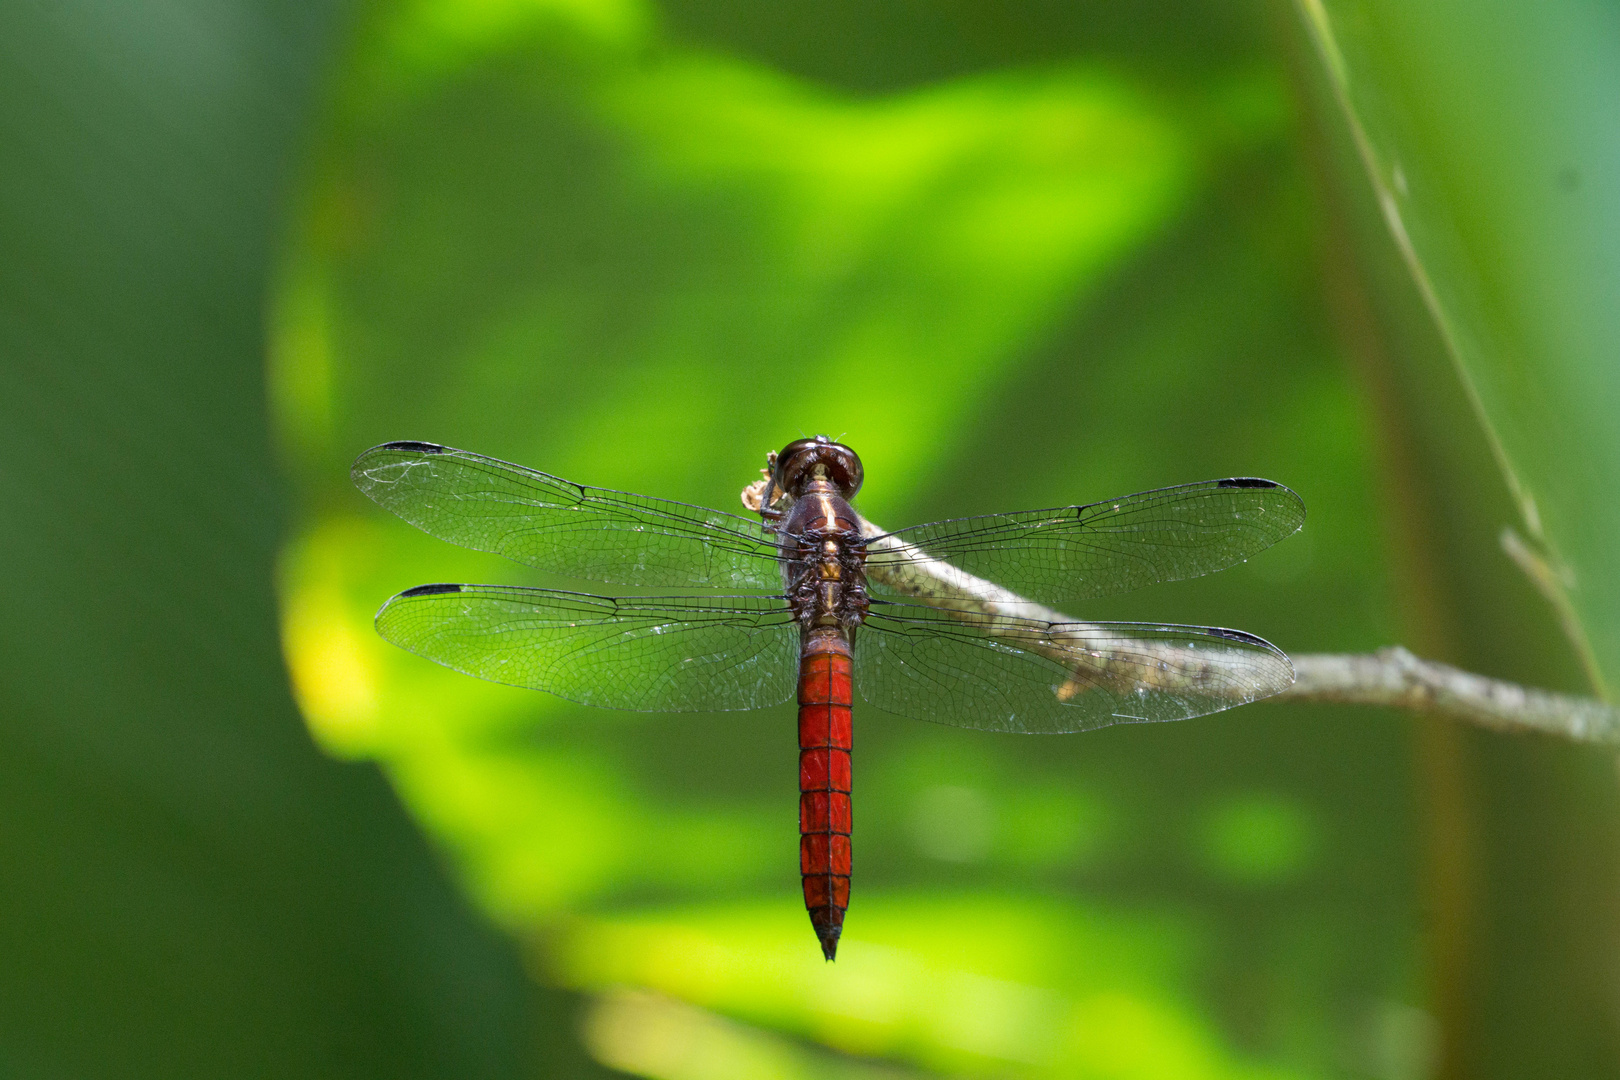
x=429 y=590
x=1257 y=642
x=413 y=447
x=360 y=471
x=1255 y=483
x=1215 y=631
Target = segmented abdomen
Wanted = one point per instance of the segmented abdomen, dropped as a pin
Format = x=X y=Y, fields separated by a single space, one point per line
x=825 y=740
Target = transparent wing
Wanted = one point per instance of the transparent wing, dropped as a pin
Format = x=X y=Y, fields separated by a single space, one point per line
x=645 y=654
x=1075 y=552
x=549 y=523
x=1023 y=675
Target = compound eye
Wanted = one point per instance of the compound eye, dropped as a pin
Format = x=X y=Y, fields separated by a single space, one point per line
x=844 y=468
x=792 y=464
x=794 y=449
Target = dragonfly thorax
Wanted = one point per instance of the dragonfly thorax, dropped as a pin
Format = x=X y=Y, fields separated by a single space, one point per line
x=824 y=558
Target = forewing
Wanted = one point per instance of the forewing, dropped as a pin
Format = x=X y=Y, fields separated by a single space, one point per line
x=1076 y=552
x=645 y=654
x=546 y=522
x=1024 y=675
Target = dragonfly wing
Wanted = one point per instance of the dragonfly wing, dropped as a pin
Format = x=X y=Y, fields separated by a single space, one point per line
x=645 y=654
x=1076 y=552
x=1023 y=675
x=546 y=522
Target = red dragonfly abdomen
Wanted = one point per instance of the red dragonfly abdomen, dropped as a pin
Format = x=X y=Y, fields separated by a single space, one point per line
x=825 y=740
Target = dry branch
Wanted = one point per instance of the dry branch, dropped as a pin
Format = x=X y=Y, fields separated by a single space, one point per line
x=1390 y=677
x=1395 y=677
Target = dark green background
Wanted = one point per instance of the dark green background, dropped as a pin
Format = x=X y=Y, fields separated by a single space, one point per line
x=640 y=246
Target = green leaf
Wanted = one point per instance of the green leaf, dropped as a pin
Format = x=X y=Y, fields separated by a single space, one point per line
x=1488 y=131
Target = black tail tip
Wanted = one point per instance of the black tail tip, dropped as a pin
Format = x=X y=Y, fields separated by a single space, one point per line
x=829 y=927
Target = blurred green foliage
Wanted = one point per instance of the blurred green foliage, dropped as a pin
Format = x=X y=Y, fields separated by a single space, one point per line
x=1447 y=122
x=1018 y=255
x=640 y=252
x=189 y=887
x=1486 y=131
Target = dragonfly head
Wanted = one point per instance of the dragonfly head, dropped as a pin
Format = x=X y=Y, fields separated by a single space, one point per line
x=796 y=465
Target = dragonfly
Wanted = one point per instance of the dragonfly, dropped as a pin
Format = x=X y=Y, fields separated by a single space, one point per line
x=944 y=622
